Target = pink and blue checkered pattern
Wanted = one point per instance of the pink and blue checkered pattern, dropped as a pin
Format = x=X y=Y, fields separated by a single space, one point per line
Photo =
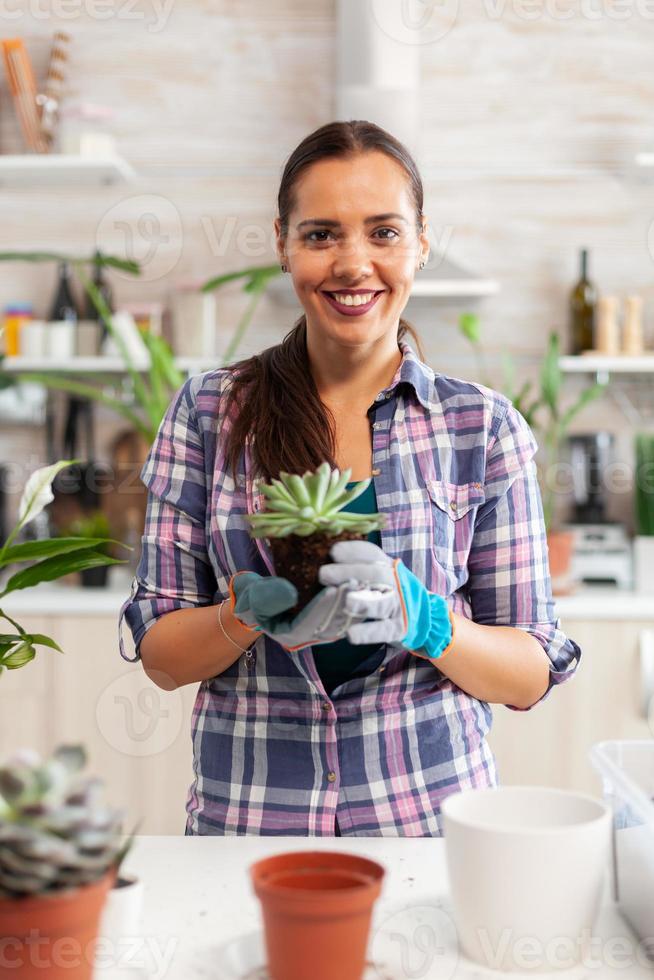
x=273 y=754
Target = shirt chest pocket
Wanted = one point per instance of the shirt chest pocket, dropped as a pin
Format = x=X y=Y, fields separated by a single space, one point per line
x=453 y=509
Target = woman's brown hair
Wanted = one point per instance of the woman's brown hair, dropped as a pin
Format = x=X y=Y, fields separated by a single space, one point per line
x=280 y=410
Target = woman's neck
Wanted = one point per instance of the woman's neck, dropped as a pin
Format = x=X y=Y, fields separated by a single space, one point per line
x=346 y=380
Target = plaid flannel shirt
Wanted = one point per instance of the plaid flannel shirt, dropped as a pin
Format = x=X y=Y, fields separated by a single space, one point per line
x=454 y=470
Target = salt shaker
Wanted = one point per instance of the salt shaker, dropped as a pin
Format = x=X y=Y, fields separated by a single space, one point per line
x=606 y=340
x=632 y=334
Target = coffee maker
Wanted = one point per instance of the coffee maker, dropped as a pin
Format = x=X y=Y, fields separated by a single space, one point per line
x=601 y=550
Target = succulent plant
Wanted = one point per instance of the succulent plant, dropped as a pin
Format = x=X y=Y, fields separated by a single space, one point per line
x=55 y=831
x=311 y=504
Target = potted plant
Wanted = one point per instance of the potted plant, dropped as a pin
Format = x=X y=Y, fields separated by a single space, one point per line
x=45 y=561
x=644 y=513
x=95 y=524
x=317 y=907
x=60 y=850
x=303 y=518
x=544 y=413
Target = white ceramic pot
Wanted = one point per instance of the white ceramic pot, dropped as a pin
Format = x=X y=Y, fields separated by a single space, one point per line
x=527 y=868
x=123 y=909
x=644 y=563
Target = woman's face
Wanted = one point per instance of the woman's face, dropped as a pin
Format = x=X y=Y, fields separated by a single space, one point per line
x=352 y=232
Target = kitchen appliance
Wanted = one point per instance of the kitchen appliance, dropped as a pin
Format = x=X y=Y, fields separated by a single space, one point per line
x=602 y=553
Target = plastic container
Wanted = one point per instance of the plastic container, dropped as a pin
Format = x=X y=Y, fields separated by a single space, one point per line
x=627 y=771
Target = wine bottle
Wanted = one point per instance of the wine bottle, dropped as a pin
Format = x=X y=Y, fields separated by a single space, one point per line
x=582 y=309
x=64 y=306
x=103 y=287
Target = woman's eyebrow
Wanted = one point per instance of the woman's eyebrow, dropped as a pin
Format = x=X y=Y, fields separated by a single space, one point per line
x=329 y=223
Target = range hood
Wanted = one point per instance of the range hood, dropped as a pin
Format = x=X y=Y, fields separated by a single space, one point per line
x=378 y=67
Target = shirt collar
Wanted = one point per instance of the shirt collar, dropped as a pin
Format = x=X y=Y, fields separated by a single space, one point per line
x=415 y=373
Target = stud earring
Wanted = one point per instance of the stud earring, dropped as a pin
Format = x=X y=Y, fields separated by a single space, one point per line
x=284 y=269
x=422 y=265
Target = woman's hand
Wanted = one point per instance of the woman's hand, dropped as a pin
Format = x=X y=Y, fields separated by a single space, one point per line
x=405 y=613
x=259 y=602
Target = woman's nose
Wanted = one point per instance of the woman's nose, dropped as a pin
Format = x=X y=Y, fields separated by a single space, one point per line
x=352 y=261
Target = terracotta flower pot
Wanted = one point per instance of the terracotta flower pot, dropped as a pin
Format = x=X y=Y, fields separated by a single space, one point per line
x=53 y=935
x=317 y=907
x=298 y=560
x=559 y=545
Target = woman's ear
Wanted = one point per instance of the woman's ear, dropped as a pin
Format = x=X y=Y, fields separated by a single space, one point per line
x=279 y=242
x=423 y=238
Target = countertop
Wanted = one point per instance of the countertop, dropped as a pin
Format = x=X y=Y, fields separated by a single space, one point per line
x=56 y=599
x=198 y=902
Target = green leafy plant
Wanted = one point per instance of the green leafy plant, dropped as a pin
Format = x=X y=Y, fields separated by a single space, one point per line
x=56 y=833
x=542 y=410
x=95 y=524
x=49 y=559
x=152 y=393
x=311 y=504
x=643 y=484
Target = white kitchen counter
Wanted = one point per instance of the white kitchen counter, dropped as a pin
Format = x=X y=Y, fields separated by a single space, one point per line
x=199 y=901
x=55 y=599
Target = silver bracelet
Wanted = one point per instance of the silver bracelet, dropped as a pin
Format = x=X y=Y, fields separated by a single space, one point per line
x=226 y=635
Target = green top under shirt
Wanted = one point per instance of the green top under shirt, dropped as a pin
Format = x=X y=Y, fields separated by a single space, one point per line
x=337 y=661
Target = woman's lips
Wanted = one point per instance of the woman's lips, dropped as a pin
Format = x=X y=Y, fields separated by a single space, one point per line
x=351 y=310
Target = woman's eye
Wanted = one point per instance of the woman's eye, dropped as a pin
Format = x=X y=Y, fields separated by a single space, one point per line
x=392 y=231
x=387 y=238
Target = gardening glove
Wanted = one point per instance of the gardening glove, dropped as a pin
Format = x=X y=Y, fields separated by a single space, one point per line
x=404 y=612
x=259 y=602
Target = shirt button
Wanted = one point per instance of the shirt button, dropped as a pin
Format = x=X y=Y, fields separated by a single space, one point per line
x=453 y=504
x=326 y=706
x=331 y=776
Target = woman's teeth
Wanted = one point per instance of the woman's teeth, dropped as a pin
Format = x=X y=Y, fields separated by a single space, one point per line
x=347 y=299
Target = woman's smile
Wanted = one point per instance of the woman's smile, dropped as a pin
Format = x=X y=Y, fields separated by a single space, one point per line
x=352 y=302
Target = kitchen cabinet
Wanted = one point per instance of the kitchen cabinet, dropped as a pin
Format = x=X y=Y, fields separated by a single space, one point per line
x=549 y=744
x=138 y=737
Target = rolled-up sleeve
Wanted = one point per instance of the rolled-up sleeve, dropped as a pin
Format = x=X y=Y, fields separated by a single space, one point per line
x=174 y=570
x=509 y=579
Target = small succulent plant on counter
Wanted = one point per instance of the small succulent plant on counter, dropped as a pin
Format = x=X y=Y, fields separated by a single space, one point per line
x=56 y=834
x=304 y=516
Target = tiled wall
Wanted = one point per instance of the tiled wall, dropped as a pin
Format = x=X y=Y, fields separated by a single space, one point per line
x=530 y=123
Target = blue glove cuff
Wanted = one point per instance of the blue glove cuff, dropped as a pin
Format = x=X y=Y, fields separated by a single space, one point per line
x=430 y=626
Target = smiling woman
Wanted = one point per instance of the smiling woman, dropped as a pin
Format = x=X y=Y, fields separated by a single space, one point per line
x=367 y=735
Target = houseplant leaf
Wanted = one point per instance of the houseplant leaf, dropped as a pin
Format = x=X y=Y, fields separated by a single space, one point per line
x=48 y=547
x=53 y=568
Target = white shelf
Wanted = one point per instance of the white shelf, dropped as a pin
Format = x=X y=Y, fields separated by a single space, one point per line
x=447 y=281
x=100 y=365
x=47 y=169
x=620 y=364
